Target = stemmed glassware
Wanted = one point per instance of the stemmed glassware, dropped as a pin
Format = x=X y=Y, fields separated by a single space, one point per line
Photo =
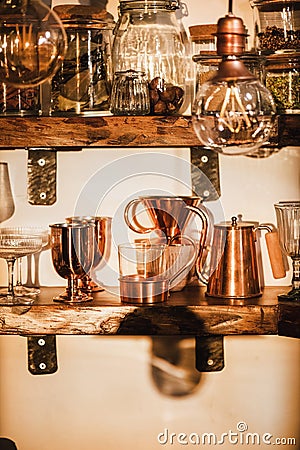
x=102 y=247
x=288 y=222
x=12 y=247
x=72 y=250
x=7 y=204
x=20 y=289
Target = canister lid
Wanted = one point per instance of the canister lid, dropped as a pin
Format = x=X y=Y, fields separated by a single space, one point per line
x=83 y=13
x=149 y=4
x=283 y=58
x=204 y=32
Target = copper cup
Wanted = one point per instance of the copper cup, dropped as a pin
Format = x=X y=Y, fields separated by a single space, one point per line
x=147 y=273
x=102 y=248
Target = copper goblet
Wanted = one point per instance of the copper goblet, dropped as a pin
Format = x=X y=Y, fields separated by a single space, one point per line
x=72 y=250
x=102 y=247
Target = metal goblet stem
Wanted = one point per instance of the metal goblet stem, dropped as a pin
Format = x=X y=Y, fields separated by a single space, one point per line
x=72 y=250
x=288 y=221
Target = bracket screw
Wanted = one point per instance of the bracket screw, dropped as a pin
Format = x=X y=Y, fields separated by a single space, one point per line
x=41 y=162
x=42 y=366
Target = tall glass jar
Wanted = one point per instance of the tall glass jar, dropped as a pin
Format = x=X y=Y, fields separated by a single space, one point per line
x=148 y=39
x=82 y=85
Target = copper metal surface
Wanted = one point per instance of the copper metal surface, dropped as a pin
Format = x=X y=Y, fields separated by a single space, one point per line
x=235 y=261
x=138 y=289
x=231 y=35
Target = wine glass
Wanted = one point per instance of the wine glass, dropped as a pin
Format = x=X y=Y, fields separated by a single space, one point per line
x=102 y=247
x=288 y=221
x=72 y=250
x=12 y=247
x=19 y=289
x=7 y=204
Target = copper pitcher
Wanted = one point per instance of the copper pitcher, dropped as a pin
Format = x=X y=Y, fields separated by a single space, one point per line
x=234 y=260
x=170 y=215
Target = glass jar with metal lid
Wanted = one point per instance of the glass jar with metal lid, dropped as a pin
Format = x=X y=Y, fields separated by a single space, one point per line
x=83 y=83
x=283 y=81
x=148 y=39
x=277 y=24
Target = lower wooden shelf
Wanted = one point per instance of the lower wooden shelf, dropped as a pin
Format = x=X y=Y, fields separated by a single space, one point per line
x=188 y=312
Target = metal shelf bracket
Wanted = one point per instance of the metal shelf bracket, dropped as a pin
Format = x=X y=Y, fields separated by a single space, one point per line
x=41 y=352
x=41 y=176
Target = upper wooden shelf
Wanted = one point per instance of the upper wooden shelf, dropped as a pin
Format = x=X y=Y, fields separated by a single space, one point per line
x=74 y=133
x=186 y=313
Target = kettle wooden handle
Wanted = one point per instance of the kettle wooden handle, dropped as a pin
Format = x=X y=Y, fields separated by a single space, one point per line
x=275 y=255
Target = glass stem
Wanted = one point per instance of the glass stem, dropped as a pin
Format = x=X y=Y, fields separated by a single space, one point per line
x=296 y=274
x=10 y=269
x=19 y=272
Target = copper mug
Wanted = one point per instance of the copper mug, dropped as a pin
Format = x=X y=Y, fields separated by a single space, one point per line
x=146 y=272
x=234 y=260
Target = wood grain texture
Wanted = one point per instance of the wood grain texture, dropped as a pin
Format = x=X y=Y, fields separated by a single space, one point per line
x=106 y=131
x=73 y=133
x=186 y=313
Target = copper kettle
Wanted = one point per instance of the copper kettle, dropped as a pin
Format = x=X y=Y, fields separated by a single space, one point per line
x=234 y=261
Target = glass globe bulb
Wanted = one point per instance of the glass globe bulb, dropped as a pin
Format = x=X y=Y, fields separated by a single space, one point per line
x=233 y=117
x=32 y=42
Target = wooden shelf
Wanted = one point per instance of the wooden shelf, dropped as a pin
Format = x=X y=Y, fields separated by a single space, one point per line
x=74 y=133
x=188 y=312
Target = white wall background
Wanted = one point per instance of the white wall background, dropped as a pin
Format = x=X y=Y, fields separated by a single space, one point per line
x=103 y=395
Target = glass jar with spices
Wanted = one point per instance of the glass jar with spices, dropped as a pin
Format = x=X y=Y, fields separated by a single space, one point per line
x=82 y=85
x=276 y=24
x=283 y=81
x=148 y=40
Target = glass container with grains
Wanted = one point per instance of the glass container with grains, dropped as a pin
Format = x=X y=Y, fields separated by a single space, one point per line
x=276 y=24
x=283 y=81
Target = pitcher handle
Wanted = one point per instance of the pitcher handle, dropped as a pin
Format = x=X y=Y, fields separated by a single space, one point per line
x=131 y=220
x=274 y=250
x=205 y=239
x=189 y=263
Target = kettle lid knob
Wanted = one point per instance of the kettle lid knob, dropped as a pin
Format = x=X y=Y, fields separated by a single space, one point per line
x=233 y=221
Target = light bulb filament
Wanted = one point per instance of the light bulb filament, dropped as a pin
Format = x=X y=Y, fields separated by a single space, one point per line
x=233 y=112
x=23 y=41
